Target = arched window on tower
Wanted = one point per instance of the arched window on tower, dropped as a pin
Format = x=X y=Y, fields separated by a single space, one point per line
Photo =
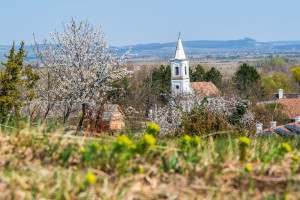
x=176 y=71
x=185 y=70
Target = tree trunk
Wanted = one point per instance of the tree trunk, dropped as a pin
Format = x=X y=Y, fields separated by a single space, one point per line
x=66 y=116
x=82 y=118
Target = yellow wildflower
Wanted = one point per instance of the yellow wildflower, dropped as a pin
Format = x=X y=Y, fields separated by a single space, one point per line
x=83 y=150
x=197 y=139
x=132 y=147
x=286 y=147
x=295 y=158
x=105 y=148
x=90 y=178
x=95 y=145
x=248 y=168
x=141 y=170
x=244 y=141
x=123 y=140
x=148 y=139
x=153 y=128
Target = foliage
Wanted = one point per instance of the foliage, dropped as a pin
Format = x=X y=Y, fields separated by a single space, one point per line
x=244 y=142
x=274 y=63
x=202 y=116
x=34 y=165
x=214 y=76
x=245 y=79
x=186 y=142
x=203 y=123
x=239 y=112
x=159 y=83
x=296 y=74
x=17 y=84
x=267 y=113
x=277 y=81
x=121 y=89
x=276 y=110
x=198 y=75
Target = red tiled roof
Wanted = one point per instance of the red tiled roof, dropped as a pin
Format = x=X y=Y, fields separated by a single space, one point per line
x=205 y=89
x=292 y=107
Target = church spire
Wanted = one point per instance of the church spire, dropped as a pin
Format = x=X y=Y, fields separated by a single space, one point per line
x=179 y=54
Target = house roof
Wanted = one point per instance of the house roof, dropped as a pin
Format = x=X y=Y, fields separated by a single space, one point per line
x=205 y=89
x=288 y=95
x=292 y=106
x=275 y=96
x=291 y=129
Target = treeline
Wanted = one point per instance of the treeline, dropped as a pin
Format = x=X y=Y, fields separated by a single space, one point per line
x=142 y=91
x=74 y=84
x=246 y=83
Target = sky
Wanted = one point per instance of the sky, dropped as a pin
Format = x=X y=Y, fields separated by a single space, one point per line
x=129 y=22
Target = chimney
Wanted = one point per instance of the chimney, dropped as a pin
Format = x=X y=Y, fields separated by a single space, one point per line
x=259 y=127
x=280 y=93
x=272 y=124
x=297 y=119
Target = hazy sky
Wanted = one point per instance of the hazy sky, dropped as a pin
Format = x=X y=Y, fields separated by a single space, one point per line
x=148 y=21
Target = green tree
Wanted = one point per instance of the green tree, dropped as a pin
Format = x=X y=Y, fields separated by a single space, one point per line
x=296 y=74
x=121 y=87
x=214 y=76
x=277 y=81
x=198 y=75
x=245 y=79
x=159 y=82
x=280 y=64
x=17 y=83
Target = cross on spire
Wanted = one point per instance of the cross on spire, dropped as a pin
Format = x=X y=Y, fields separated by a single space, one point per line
x=179 y=34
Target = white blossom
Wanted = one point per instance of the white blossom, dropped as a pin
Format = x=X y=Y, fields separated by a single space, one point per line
x=80 y=64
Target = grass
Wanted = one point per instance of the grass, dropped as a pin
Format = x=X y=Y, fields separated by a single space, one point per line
x=55 y=166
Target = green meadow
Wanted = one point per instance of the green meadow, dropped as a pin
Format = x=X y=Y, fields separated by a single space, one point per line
x=46 y=163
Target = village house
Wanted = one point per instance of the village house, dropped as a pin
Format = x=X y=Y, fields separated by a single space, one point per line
x=291 y=129
x=291 y=103
x=114 y=116
x=291 y=107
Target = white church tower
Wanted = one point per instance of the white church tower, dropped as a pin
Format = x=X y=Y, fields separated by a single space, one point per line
x=180 y=78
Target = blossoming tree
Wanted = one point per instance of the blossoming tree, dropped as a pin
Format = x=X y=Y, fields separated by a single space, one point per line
x=233 y=110
x=81 y=66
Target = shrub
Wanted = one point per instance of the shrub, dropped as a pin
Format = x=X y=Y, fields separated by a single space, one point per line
x=203 y=123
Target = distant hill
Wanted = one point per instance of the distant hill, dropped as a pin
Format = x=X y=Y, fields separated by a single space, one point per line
x=197 y=47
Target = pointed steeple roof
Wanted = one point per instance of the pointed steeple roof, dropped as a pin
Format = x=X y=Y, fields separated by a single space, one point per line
x=179 y=54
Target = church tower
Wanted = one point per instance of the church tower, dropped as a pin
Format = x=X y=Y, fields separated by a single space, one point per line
x=180 y=78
